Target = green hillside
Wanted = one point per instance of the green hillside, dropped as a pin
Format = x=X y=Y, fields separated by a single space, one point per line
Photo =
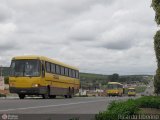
x=93 y=81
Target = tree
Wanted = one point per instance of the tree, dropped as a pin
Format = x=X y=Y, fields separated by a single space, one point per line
x=156 y=84
x=156 y=7
x=114 y=77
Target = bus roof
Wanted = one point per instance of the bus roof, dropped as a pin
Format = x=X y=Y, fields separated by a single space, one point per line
x=131 y=88
x=43 y=58
x=115 y=83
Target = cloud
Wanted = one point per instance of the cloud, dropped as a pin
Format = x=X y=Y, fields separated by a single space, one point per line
x=8 y=47
x=120 y=45
x=104 y=36
x=84 y=31
x=5 y=13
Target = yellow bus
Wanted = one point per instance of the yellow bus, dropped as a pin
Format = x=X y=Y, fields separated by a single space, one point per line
x=115 y=89
x=131 y=92
x=38 y=75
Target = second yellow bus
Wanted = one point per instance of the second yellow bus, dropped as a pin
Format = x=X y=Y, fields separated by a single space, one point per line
x=115 y=89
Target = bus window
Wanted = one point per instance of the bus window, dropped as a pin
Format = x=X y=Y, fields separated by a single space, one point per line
x=120 y=86
x=77 y=74
x=57 y=69
x=66 y=71
x=113 y=86
x=53 y=68
x=73 y=73
x=48 y=67
x=62 y=70
x=25 y=68
x=70 y=73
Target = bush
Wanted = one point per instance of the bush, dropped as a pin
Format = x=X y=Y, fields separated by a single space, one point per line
x=2 y=95
x=148 y=102
x=124 y=108
x=106 y=116
x=129 y=107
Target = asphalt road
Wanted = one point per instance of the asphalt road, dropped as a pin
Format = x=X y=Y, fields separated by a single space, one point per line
x=77 y=105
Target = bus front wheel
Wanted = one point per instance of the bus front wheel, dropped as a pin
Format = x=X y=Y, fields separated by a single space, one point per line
x=21 y=96
x=71 y=92
x=66 y=96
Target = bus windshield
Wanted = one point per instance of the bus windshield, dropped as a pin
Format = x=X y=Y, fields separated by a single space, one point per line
x=26 y=68
x=131 y=90
x=114 y=86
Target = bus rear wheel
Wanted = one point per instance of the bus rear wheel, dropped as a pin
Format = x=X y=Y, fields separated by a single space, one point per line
x=66 y=96
x=21 y=96
x=52 y=96
x=71 y=92
x=45 y=96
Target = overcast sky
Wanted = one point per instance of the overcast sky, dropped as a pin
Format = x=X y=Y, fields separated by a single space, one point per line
x=97 y=36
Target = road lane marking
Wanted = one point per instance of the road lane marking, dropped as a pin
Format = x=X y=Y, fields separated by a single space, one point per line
x=53 y=105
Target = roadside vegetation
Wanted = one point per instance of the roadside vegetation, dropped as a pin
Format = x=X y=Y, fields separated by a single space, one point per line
x=2 y=95
x=93 y=81
x=140 y=89
x=129 y=107
x=156 y=7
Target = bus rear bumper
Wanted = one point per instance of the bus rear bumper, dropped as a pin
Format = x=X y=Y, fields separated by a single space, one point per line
x=28 y=91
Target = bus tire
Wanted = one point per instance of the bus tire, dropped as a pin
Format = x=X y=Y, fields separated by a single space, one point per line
x=66 y=96
x=21 y=96
x=71 y=92
x=70 y=96
x=46 y=95
x=52 y=96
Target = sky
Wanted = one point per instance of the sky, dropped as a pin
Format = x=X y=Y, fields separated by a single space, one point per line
x=97 y=36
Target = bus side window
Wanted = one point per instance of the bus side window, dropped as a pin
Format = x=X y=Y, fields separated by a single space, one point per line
x=57 y=69
x=43 y=69
x=48 y=67
x=77 y=74
x=62 y=70
x=66 y=71
x=70 y=73
x=53 y=68
x=73 y=73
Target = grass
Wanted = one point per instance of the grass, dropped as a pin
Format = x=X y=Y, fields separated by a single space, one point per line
x=148 y=102
x=129 y=107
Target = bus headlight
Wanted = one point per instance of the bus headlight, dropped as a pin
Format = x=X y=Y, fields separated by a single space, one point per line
x=35 y=85
x=11 y=84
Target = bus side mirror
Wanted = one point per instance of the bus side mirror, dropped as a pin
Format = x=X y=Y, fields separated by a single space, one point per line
x=43 y=71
